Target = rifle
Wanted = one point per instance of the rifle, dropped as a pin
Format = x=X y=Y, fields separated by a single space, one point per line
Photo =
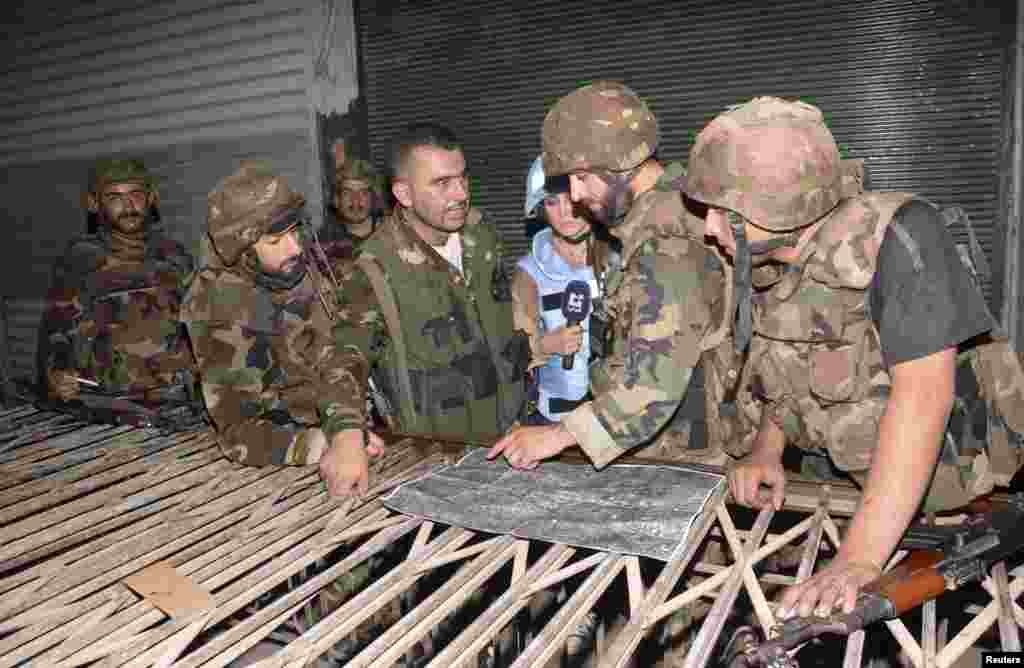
x=952 y=556
x=99 y=406
x=166 y=415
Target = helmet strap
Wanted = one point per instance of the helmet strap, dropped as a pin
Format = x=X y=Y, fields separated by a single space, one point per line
x=619 y=197
x=578 y=239
x=761 y=247
x=743 y=285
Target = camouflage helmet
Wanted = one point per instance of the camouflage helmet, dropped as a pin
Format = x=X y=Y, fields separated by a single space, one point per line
x=248 y=204
x=358 y=170
x=600 y=126
x=772 y=161
x=111 y=171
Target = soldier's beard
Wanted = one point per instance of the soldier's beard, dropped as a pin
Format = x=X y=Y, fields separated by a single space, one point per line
x=126 y=224
x=353 y=216
x=617 y=201
x=127 y=241
x=285 y=278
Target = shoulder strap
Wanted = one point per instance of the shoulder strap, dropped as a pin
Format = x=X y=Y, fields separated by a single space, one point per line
x=386 y=299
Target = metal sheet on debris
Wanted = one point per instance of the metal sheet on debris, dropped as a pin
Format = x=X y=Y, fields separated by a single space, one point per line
x=641 y=509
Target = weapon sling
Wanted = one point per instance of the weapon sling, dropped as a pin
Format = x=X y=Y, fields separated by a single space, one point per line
x=387 y=304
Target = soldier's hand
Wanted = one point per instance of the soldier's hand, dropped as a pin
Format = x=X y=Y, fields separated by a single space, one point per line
x=834 y=588
x=525 y=447
x=63 y=384
x=761 y=467
x=562 y=341
x=345 y=465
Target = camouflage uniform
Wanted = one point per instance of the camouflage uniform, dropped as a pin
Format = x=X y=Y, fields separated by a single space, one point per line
x=668 y=300
x=816 y=358
x=266 y=356
x=457 y=368
x=112 y=312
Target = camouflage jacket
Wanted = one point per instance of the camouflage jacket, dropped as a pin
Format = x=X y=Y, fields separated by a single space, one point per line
x=115 y=320
x=268 y=364
x=667 y=305
x=816 y=360
x=339 y=244
x=453 y=364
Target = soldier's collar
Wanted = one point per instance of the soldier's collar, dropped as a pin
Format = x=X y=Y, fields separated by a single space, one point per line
x=409 y=236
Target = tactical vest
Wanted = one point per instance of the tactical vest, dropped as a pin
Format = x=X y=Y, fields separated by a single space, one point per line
x=816 y=357
x=448 y=366
x=130 y=313
x=552 y=274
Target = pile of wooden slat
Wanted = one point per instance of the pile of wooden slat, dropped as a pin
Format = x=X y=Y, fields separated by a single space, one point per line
x=84 y=507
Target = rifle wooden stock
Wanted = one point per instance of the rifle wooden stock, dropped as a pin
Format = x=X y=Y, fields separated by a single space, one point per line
x=911 y=582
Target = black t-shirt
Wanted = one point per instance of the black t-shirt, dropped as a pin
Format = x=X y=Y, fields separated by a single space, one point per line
x=922 y=298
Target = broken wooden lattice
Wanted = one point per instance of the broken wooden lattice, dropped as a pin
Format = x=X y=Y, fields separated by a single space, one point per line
x=84 y=507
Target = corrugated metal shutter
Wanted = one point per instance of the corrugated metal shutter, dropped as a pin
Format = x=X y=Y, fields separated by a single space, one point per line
x=108 y=77
x=191 y=87
x=914 y=86
x=19 y=326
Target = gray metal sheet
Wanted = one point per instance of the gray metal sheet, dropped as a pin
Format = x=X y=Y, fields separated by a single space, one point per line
x=915 y=87
x=630 y=508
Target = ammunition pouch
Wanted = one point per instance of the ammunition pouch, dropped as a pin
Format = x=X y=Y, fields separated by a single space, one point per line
x=442 y=329
x=442 y=389
x=501 y=283
x=600 y=331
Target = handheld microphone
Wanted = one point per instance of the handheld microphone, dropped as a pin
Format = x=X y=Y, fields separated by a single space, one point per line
x=575 y=308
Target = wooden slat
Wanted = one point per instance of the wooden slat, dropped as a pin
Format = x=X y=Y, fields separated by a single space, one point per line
x=81 y=507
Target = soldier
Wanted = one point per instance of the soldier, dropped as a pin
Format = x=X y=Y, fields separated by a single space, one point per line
x=666 y=300
x=358 y=209
x=864 y=302
x=259 y=315
x=111 y=323
x=429 y=302
x=565 y=251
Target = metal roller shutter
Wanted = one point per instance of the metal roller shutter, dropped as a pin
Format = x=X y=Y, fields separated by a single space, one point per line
x=190 y=87
x=81 y=79
x=913 y=86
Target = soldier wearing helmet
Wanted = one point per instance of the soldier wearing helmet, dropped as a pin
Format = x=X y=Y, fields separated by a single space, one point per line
x=864 y=303
x=358 y=206
x=566 y=250
x=667 y=299
x=111 y=321
x=259 y=315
